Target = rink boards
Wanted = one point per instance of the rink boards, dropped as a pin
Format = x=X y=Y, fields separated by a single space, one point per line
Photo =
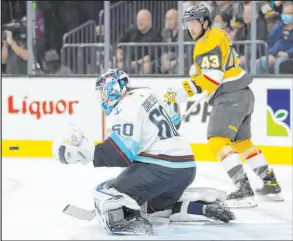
x=37 y=110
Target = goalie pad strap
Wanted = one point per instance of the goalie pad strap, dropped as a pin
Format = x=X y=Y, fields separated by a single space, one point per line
x=191 y=208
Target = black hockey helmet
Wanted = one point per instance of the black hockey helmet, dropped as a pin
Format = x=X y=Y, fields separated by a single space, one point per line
x=198 y=12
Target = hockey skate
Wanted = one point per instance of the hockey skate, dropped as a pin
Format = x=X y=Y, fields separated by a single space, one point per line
x=243 y=197
x=271 y=188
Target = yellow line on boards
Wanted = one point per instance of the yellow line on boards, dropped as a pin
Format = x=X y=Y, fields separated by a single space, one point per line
x=43 y=149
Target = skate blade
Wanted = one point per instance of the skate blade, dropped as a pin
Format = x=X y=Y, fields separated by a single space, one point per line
x=200 y=222
x=126 y=233
x=247 y=202
x=276 y=197
x=272 y=197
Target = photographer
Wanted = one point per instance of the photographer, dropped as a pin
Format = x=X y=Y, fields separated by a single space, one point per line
x=14 y=52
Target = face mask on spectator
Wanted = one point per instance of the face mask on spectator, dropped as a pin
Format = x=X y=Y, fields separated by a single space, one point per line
x=286 y=18
x=218 y=25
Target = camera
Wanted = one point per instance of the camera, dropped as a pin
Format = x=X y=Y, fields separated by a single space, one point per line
x=17 y=27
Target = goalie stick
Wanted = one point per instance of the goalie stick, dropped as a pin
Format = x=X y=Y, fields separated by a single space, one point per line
x=79 y=213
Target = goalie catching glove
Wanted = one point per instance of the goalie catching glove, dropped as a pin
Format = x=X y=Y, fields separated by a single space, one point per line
x=74 y=148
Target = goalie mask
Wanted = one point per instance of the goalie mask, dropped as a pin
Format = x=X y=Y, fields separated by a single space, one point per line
x=110 y=87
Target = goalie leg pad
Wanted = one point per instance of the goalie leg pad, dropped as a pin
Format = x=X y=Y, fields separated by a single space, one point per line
x=109 y=200
x=201 y=204
x=207 y=194
x=119 y=213
x=157 y=218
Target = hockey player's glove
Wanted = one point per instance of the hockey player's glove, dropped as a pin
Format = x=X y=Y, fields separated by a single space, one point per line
x=74 y=148
x=175 y=94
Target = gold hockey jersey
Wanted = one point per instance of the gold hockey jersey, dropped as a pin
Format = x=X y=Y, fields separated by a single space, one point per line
x=217 y=64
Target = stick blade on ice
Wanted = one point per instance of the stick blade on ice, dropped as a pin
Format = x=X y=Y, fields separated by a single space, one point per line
x=79 y=213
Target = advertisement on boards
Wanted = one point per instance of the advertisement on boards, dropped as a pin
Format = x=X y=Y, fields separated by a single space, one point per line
x=40 y=108
x=279 y=112
x=35 y=111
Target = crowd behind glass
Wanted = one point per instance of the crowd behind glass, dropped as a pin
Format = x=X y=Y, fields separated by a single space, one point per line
x=152 y=22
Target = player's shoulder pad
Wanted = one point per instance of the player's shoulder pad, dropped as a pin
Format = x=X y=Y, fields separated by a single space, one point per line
x=135 y=99
x=223 y=36
x=218 y=35
x=141 y=94
x=218 y=31
x=147 y=98
x=209 y=42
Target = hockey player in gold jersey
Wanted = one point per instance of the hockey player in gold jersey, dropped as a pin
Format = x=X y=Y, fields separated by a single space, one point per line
x=216 y=71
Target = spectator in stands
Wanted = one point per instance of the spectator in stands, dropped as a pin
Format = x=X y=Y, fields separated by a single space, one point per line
x=52 y=64
x=226 y=8
x=59 y=18
x=170 y=34
x=271 y=16
x=244 y=34
x=142 y=59
x=220 y=21
x=14 y=53
x=280 y=43
x=169 y=59
x=237 y=19
x=277 y=6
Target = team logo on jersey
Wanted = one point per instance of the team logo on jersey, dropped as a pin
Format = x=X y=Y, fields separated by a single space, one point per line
x=117 y=111
x=278 y=112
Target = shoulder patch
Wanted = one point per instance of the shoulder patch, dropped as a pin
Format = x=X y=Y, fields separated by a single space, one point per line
x=210 y=60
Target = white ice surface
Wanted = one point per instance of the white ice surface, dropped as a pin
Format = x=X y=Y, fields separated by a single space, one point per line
x=35 y=191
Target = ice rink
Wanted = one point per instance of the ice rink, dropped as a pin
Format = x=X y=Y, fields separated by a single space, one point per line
x=35 y=191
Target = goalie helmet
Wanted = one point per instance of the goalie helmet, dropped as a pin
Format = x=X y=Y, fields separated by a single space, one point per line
x=111 y=86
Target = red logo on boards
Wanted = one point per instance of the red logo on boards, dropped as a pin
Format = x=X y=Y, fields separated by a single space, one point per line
x=39 y=108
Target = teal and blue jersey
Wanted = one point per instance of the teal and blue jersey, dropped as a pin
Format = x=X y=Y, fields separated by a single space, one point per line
x=143 y=128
